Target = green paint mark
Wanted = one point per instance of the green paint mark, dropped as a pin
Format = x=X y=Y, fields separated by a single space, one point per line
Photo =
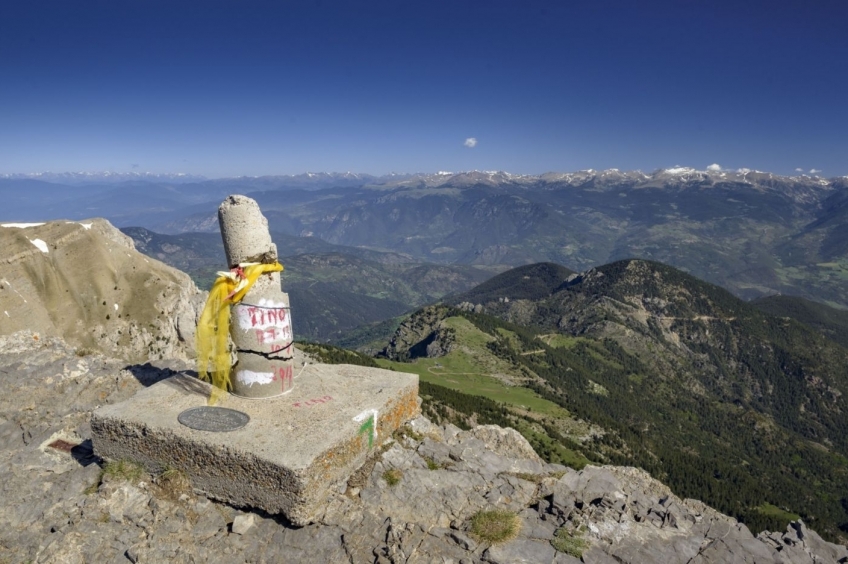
x=369 y=427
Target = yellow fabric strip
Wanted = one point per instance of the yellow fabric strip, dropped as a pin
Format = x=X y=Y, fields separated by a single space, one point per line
x=213 y=355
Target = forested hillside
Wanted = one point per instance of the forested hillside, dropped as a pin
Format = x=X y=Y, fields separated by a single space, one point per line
x=725 y=403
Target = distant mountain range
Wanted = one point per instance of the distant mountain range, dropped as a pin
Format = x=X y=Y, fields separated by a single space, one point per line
x=755 y=233
x=104 y=177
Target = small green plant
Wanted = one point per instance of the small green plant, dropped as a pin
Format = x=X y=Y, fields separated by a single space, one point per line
x=92 y=489
x=393 y=476
x=173 y=482
x=84 y=351
x=432 y=464
x=535 y=478
x=123 y=470
x=404 y=432
x=570 y=542
x=495 y=526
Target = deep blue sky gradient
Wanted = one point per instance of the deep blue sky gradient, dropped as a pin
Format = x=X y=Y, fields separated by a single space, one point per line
x=225 y=88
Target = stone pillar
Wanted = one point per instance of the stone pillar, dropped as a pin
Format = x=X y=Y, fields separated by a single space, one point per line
x=260 y=325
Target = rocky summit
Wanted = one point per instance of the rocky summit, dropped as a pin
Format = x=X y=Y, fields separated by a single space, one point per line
x=85 y=282
x=419 y=498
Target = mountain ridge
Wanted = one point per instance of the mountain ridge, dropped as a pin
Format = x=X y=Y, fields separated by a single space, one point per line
x=85 y=282
x=754 y=233
x=686 y=380
x=686 y=172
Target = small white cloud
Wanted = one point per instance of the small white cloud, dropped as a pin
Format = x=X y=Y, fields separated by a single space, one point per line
x=714 y=168
x=815 y=170
x=799 y=170
x=471 y=142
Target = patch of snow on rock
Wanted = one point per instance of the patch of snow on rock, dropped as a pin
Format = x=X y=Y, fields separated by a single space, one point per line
x=42 y=246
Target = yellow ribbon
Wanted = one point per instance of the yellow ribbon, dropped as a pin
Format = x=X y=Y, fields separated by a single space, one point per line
x=213 y=355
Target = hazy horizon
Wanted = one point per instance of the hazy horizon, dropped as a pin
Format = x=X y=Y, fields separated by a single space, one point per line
x=711 y=169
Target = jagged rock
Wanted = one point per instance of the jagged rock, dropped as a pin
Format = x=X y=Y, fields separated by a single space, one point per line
x=421 y=335
x=127 y=504
x=505 y=442
x=242 y=523
x=589 y=486
x=208 y=524
x=87 y=284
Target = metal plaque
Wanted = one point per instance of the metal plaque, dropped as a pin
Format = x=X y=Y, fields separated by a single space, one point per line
x=215 y=419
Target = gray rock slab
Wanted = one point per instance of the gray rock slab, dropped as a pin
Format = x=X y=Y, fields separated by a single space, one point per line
x=294 y=450
x=520 y=551
x=243 y=523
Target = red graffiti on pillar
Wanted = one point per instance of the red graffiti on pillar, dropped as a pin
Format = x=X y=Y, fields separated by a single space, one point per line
x=285 y=374
x=279 y=348
x=266 y=316
x=271 y=335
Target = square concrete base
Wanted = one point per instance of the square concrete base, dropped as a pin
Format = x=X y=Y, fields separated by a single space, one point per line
x=287 y=458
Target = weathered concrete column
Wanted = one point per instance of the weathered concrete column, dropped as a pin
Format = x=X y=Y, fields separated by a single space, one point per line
x=260 y=325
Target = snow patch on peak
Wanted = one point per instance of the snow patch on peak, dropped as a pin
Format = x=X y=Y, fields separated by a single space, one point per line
x=41 y=245
x=85 y=226
x=20 y=225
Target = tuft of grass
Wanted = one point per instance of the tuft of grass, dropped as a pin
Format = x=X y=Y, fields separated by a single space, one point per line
x=123 y=470
x=535 y=478
x=432 y=464
x=570 y=542
x=404 y=432
x=495 y=526
x=92 y=489
x=393 y=476
x=173 y=483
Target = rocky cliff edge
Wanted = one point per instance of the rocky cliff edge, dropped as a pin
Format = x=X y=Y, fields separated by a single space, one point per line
x=416 y=500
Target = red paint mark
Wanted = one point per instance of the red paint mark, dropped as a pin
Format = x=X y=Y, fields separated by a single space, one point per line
x=285 y=374
x=266 y=316
x=313 y=401
x=64 y=446
x=278 y=348
x=273 y=335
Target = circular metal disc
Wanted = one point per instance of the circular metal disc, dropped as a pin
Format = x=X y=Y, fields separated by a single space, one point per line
x=215 y=419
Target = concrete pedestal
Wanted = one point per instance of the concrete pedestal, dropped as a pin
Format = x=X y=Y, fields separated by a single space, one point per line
x=294 y=450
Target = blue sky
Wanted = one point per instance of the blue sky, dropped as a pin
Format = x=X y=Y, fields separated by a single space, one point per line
x=224 y=88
